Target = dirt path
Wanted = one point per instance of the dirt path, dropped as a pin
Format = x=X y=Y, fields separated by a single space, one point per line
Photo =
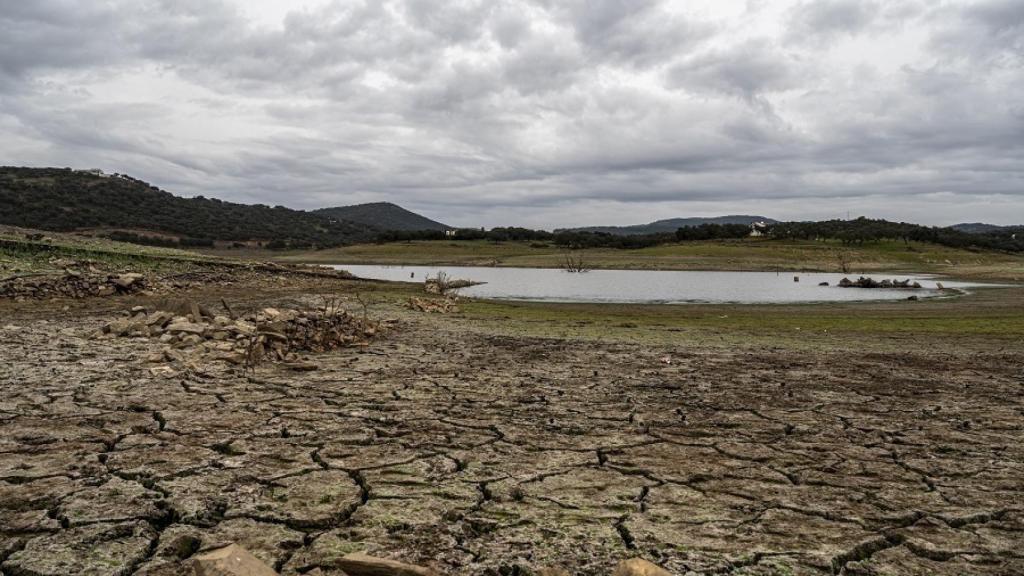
x=496 y=455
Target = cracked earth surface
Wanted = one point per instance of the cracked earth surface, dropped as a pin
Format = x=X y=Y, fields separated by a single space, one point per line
x=484 y=454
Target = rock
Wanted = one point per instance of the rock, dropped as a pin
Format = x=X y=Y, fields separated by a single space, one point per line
x=639 y=567
x=126 y=327
x=186 y=327
x=913 y=298
x=158 y=319
x=823 y=284
x=127 y=281
x=845 y=283
x=360 y=564
x=552 y=572
x=236 y=358
x=165 y=371
x=231 y=560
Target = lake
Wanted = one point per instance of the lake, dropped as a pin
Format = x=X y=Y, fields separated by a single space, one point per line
x=653 y=286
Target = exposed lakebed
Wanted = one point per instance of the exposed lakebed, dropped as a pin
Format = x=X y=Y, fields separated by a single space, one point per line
x=655 y=286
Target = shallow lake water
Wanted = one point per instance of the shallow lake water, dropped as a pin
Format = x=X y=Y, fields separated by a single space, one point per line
x=654 y=286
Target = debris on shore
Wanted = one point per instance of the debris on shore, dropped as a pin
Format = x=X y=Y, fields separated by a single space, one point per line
x=442 y=284
x=269 y=334
x=441 y=306
x=863 y=282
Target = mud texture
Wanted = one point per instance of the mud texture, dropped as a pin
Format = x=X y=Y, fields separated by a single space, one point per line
x=485 y=454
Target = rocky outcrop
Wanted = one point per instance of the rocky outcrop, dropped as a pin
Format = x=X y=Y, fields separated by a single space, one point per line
x=863 y=282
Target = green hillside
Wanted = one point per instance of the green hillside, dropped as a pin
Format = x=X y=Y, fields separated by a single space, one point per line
x=129 y=209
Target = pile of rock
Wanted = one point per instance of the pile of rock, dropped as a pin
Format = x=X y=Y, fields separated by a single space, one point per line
x=863 y=282
x=441 y=306
x=234 y=560
x=72 y=284
x=270 y=334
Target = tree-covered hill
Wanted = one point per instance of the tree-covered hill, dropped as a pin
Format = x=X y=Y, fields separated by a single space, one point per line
x=383 y=216
x=70 y=200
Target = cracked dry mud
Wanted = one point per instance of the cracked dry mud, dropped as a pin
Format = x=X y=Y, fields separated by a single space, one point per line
x=477 y=454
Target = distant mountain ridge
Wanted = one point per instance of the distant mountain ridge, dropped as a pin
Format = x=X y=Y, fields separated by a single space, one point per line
x=670 y=225
x=982 y=228
x=383 y=216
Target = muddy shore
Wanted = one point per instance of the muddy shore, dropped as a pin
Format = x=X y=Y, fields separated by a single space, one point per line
x=477 y=451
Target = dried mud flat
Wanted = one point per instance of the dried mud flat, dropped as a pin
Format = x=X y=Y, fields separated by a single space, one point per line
x=486 y=454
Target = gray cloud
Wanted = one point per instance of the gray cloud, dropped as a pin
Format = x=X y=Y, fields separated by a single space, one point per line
x=532 y=112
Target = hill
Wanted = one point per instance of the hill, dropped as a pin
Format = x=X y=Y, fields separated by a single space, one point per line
x=670 y=225
x=124 y=208
x=383 y=216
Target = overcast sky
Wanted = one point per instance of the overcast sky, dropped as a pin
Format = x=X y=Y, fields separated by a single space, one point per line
x=538 y=113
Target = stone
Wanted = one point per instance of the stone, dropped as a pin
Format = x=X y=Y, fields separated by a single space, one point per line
x=360 y=564
x=639 y=567
x=118 y=327
x=235 y=358
x=165 y=371
x=126 y=281
x=552 y=572
x=187 y=327
x=232 y=560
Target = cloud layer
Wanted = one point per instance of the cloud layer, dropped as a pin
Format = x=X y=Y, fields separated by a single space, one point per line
x=533 y=112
